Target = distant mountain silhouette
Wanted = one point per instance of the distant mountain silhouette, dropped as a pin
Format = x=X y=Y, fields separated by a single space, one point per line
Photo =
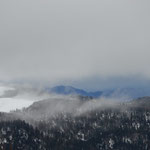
x=124 y=93
x=127 y=93
x=69 y=90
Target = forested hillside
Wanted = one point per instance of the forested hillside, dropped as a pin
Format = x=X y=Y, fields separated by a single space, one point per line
x=107 y=129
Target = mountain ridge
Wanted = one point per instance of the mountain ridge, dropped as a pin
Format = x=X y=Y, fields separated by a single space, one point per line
x=124 y=93
x=70 y=90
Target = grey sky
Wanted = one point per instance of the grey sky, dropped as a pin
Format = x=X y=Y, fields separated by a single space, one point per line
x=74 y=39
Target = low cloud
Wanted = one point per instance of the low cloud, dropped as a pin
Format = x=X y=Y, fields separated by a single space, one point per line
x=73 y=40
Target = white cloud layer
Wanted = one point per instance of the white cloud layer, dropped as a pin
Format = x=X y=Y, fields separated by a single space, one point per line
x=74 y=39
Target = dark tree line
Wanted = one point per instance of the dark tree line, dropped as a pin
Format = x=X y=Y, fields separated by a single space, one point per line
x=109 y=129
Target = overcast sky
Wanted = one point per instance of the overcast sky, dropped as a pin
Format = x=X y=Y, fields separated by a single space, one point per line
x=74 y=39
